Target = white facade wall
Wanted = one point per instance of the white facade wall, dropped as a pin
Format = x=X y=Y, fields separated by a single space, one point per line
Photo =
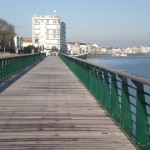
x=49 y=31
x=25 y=44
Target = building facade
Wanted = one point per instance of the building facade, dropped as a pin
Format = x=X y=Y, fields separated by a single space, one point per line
x=73 y=48
x=49 y=32
x=18 y=41
x=27 y=42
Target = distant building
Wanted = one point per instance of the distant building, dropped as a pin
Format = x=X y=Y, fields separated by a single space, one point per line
x=73 y=48
x=18 y=40
x=83 y=48
x=27 y=42
x=49 y=32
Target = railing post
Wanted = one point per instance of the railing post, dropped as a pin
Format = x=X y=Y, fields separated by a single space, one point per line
x=101 y=86
x=91 y=79
x=96 y=83
x=142 y=125
x=85 y=73
x=115 y=109
x=88 y=76
x=107 y=98
x=1 y=66
x=125 y=115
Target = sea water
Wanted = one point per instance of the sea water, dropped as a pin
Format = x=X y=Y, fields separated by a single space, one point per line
x=139 y=65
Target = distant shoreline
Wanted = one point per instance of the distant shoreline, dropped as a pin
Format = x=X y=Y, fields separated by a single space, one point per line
x=110 y=55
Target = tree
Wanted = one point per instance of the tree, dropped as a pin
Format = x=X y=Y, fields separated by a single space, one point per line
x=54 y=49
x=28 y=49
x=7 y=33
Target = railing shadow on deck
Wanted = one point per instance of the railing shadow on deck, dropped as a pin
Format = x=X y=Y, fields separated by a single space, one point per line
x=12 y=68
x=126 y=97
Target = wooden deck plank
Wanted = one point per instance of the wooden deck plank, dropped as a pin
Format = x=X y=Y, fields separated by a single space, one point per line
x=48 y=108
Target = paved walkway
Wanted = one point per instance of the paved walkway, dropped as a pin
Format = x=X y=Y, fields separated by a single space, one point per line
x=48 y=108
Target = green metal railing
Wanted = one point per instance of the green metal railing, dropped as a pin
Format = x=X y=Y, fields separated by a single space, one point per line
x=12 y=65
x=126 y=97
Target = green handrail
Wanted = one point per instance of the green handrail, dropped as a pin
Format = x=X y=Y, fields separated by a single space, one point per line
x=12 y=65
x=125 y=97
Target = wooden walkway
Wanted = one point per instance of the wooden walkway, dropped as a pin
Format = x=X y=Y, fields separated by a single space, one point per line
x=48 y=108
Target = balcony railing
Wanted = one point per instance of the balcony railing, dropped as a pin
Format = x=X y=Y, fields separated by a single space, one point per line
x=126 y=97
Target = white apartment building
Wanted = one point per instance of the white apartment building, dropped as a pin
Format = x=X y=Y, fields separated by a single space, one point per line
x=49 y=32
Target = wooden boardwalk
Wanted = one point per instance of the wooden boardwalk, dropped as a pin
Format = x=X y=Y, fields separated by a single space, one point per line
x=48 y=108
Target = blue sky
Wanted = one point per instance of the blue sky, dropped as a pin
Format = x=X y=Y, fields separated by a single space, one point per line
x=119 y=23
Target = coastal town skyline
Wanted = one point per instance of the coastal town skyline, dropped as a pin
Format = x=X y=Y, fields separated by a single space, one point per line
x=108 y=23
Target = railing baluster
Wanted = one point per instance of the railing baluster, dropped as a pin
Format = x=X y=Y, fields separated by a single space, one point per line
x=107 y=98
x=125 y=115
x=115 y=109
x=142 y=125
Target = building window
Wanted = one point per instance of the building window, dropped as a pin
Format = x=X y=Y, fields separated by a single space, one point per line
x=36 y=36
x=36 y=21
x=47 y=21
x=36 y=41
